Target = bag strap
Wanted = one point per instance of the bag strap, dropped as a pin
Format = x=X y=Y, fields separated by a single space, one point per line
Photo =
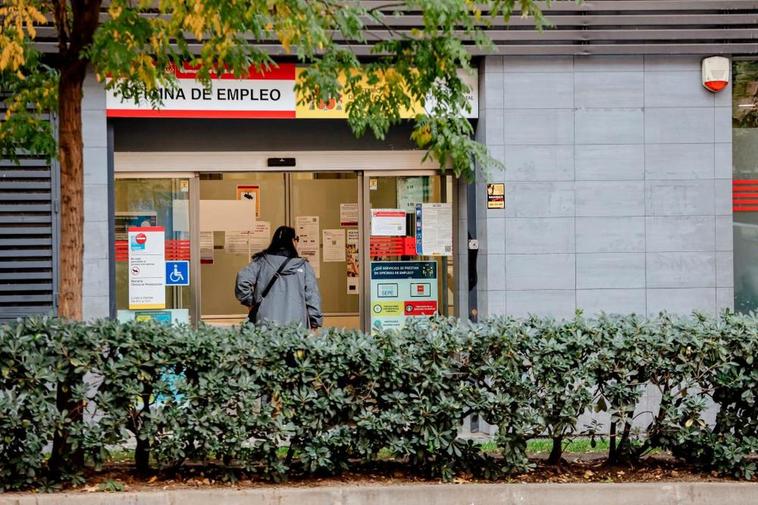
x=276 y=275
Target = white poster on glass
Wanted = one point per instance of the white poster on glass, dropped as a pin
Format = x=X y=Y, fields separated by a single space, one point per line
x=334 y=245
x=261 y=236
x=206 y=247
x=309 y=245
x=237 y=242
x=147 y=267
x=348 y=214
x=388 y=222
x=437 y=229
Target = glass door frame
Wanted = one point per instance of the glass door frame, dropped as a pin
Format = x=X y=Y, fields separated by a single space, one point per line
x=365 y=227
x=194 y=222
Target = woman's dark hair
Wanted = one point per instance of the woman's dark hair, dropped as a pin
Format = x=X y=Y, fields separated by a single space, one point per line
x=283 y=242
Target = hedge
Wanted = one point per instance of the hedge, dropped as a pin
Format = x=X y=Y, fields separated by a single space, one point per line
x=280 y=401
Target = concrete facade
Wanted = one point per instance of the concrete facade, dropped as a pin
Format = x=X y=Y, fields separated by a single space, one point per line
x=97 y=247
x=618 y=187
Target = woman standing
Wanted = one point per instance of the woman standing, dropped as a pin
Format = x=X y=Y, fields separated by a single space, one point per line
x=280 y=286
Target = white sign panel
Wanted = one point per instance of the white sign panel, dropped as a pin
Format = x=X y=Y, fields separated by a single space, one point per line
x=256 y=95
x=147 y=267
x=388 y=222
x=437 y=229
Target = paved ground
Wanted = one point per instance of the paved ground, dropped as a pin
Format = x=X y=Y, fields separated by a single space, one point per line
x=427 y=494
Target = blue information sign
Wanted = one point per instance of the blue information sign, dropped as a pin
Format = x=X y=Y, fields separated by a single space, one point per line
x=177 y=273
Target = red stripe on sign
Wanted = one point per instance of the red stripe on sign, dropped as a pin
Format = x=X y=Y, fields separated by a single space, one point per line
x=281 y=72
x=203 y=114
x=176 y=250
x=382 y=247
x=145 y=228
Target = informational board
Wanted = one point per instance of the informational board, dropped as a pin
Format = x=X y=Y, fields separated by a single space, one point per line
x=348 y=214
x=250 y=192
x=309 y=245
x=334 y=245
x=434 y=229
x=496 y=195
x=227 y=215
x=388 y=222
x=352 y=266
x=402 y=289
x=147 y=263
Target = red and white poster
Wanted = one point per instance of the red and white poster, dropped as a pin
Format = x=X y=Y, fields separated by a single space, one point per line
x=388 y=222
x=262 y=95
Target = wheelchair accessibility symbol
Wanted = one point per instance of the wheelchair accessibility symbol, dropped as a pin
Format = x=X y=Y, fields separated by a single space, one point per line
x=177 y=273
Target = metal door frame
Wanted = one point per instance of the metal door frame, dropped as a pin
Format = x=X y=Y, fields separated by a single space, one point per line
x=365 y=227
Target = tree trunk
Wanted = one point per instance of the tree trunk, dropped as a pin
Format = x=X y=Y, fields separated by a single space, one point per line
x=72 y=198
x=556 y=452
x=71 y=248
x=612 y=454
x=63 y=459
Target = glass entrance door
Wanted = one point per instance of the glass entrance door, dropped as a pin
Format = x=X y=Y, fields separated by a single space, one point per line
x=411 y=271
x=161 y=207
x=323 y=208
x=331 y=199
x=239 y=212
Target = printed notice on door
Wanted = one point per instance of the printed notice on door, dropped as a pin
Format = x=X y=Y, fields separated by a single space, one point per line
x=348 y=214
x=436 y=229
x=309 y=245
x=388 y=222
x=334 y=245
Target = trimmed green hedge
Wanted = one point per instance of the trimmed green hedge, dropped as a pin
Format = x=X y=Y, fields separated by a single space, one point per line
x=235 y=397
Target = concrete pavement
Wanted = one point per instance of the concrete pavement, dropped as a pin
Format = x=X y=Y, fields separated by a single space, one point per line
x=666 y=493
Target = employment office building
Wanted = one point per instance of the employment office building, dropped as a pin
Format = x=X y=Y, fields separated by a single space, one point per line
x=628 y=186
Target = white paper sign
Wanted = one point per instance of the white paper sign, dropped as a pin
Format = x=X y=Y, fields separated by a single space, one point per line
x=261 y=237
x=206 y=247
x=237 y=242
x=334 y=245
x=437 y=229
x=388 y=222
x=227 y=215
x=309 y=245
x=147 y=267
x=180 y=216
x=348 y=214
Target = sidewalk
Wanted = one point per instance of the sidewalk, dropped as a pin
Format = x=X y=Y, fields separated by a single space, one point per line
x=667 y=493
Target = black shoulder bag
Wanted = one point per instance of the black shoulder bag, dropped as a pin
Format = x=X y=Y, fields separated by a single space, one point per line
x=253 y=314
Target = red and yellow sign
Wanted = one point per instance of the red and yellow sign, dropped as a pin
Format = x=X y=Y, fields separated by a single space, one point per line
x=257 y=95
